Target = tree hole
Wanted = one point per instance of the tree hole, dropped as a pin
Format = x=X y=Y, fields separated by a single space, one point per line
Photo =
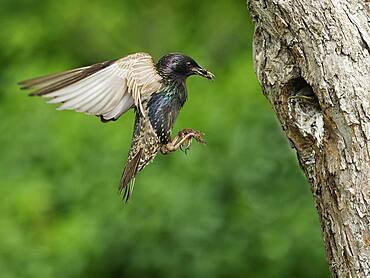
x=299 y=89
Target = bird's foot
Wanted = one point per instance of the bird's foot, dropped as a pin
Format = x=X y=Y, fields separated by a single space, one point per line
x=189 y=134
x=183 y=140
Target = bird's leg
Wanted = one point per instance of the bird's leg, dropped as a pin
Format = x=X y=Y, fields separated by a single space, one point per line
x=185 y=136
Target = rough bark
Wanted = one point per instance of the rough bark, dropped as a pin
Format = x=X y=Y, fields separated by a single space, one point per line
x=322 y=49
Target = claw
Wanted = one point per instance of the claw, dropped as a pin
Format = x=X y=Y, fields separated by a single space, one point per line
x=183 y=141
x=185 y=146
x=188 y=145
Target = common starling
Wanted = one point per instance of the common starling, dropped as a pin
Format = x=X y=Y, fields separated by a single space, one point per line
x=157 y=93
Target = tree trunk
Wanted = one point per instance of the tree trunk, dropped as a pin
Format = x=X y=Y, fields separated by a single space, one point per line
x=312 y=59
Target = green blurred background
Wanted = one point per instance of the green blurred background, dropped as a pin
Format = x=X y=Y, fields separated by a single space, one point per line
x=238 y=207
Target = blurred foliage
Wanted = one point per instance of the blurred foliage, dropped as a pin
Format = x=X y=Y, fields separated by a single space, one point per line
x=238 y=207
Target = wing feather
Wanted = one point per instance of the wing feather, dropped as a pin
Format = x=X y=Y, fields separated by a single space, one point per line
x=106 y=89
x=77 y=91
x=113 y=102
x=43 y=81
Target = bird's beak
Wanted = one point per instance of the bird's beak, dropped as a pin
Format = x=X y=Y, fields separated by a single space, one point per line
x=203 y=72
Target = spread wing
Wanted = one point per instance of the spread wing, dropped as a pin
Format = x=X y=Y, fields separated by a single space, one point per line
x=105 y=89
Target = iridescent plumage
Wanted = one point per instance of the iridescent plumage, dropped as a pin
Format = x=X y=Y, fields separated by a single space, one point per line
x=157 y=92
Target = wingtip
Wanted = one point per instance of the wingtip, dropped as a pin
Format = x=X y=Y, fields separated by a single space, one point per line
x=25 y=85
x=22 y=85
x=34 y=94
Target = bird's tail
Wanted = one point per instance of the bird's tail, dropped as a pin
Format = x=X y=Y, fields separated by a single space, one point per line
x=128 y=176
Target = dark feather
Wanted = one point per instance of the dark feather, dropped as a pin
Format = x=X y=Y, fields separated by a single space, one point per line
x=106 y=120
x=50 y=83
x=34 y=82
x=129 y=173
x=164 y=108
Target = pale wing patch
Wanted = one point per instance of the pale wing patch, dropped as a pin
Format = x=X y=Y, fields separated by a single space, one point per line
x=97 y=94
x=142 y=78
x=106 y=89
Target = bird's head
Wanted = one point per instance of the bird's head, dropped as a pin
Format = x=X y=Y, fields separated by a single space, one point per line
x=176 y=66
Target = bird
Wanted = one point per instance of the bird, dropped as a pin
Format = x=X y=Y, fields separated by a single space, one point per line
x=155 y=91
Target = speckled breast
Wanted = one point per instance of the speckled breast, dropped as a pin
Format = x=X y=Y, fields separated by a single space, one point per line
x=145 y=139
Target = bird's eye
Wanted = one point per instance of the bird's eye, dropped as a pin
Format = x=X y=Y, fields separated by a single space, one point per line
x=188 y=63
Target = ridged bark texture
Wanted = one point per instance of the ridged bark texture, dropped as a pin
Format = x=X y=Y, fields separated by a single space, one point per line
x=321 y=49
